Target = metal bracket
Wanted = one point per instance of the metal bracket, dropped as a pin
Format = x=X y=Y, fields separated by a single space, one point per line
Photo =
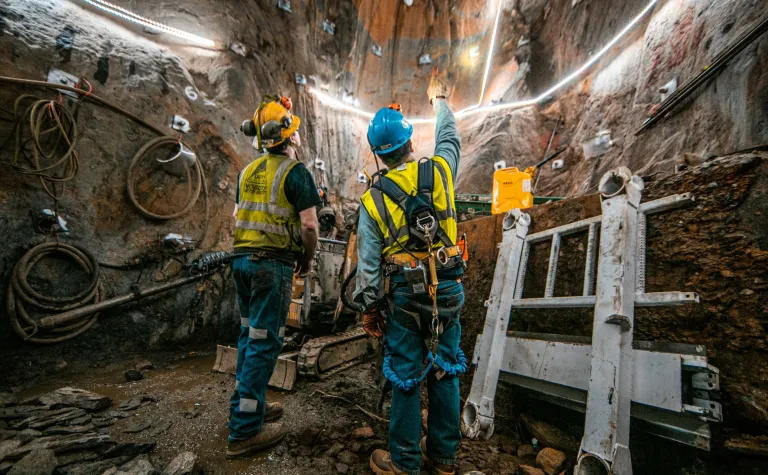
x=285 y=5
x=180 y=123
x=706 y=381
x=65 y=79
x=708 y=410
x=329 y=27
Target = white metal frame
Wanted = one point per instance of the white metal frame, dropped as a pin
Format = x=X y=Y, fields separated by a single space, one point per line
x=616 y=262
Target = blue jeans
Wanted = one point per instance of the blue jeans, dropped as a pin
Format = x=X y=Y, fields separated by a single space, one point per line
x=408 y=336
x=264 y=296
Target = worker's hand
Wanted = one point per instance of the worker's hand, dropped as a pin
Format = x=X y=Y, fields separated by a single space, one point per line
x=305 y=266
x=373 y=322
x=437 y=88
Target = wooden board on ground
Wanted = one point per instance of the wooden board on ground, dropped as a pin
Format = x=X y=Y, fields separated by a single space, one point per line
x=284 y=376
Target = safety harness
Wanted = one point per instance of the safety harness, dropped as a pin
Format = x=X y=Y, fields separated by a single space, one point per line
x=423 y=232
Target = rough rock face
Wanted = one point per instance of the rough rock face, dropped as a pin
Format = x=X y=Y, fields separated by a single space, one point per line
x=157 y=76
x=676 y=41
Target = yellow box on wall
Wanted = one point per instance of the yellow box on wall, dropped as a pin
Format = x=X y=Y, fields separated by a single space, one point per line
x=511 y=189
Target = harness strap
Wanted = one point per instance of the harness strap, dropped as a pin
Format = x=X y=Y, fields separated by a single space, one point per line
x=403 y=258
x=425 y=186
x=393 y=192
x=443 y=236
x=426 y=178
x=441 y=171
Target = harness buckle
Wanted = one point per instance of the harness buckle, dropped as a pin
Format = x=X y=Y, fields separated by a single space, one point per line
x=426 y=224
x=391 y=269
x=442 y=256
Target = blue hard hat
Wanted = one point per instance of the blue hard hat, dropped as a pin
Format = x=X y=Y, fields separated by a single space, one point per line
x=388 y=131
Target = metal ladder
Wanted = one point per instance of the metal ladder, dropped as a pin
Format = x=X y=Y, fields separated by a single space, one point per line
x=663 y=386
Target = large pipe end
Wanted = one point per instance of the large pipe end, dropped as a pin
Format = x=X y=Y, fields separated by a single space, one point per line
x=513 y=217
x=475 y=425
x=589 y=464
x=614 y=182
x=469 y=423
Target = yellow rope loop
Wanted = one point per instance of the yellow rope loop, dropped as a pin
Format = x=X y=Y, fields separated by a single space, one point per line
x=45 y=135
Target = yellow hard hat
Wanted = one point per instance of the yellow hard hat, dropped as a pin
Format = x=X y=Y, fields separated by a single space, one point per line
x=276 y=124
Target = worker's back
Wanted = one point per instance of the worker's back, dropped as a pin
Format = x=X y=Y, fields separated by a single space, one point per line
x=391 y=216
x=266 y=219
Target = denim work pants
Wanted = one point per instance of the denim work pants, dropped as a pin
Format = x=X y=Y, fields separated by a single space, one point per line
x=264 y=297
x=408 y=337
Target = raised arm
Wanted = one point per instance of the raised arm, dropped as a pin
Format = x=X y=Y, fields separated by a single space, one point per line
x=447 y=140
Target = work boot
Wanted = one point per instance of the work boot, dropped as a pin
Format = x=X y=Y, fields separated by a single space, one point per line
x=269 y=435
x=436 y=467
x=381 y=463
x=274 y=412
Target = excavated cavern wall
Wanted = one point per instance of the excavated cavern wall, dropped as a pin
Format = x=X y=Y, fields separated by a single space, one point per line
x=148 y=74
x=717 y=247
x=149 y=78
x=677 y=40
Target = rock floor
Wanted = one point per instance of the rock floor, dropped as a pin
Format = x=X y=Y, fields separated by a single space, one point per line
x=181 y=405
x=172 y=422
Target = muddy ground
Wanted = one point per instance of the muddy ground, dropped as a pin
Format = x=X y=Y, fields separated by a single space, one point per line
x=189 y=403
x=188 y=409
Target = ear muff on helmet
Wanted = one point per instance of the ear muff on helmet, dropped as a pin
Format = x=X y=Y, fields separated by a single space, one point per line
x=271 y=131
x=248 y=127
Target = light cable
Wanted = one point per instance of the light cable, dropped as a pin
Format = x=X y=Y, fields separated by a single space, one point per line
x=133 y=17
x=476 y=109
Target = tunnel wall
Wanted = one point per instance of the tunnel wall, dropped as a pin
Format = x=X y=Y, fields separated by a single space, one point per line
x=543 y=42
x=154 y=77
x=717 y=247
x=157 y=76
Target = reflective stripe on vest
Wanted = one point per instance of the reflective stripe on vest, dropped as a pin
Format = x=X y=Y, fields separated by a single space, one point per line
x=391 y=218
x=265 y=217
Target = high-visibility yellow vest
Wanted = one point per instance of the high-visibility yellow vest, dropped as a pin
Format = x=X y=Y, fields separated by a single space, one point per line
x=265 y=217
x=391 y=218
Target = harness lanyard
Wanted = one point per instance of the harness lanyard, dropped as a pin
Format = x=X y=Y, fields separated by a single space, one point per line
x=435 y=326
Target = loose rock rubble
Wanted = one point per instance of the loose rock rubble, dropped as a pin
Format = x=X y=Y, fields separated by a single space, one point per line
x=551 y=461
x=67 y=432
x=503 y=455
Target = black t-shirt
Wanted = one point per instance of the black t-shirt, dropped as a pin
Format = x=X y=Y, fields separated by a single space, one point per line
x=300 y=188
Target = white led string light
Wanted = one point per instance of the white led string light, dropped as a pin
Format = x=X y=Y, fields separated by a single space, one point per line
x=130 y=16
x=476 y=109
x=338 y=105
x=569 y=78
x=489 y=60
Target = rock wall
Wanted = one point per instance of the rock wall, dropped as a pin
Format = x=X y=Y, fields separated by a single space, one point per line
x=675 y=41
x=156 y=76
